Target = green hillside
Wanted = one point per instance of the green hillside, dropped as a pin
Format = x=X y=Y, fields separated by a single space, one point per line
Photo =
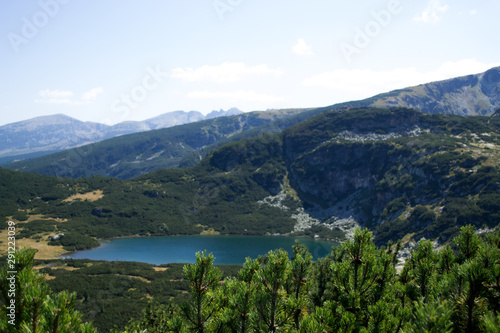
x=400 y=173
x=470 y=95
x=136 y=154
x=394 y=171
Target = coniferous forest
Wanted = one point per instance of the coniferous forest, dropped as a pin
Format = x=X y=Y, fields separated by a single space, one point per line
x=358 y=287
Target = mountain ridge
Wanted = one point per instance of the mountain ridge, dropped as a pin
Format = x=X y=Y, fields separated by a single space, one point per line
x=477 y=94
x=135 y=154
x=469 y=95
x=59 y=132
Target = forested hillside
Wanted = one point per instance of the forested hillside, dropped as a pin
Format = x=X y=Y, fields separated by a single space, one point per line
x=398 y=172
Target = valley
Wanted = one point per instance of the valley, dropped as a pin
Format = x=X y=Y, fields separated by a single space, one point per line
x=375 y=168
x=233 y=166
x=317 y=175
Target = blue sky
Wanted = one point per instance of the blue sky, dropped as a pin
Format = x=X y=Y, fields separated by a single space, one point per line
x=117 y=60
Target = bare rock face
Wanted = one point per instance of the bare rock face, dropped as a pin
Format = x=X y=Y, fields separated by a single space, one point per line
x=332 y=166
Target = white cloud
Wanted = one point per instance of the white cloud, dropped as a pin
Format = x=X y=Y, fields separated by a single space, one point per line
x=226 y=72
x=462 y=67
x=55 y=93
x=301 y=48
x=432 y=13
x=66 y=97
x=473 y=12
x=363 y=83
x=91 y=95
x=238 y=95
x=54 y=96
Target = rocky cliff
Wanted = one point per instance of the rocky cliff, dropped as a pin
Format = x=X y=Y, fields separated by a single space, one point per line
x=396 y=171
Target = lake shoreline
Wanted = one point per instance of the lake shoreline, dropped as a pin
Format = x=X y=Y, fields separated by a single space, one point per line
x=101 y=240
x=182 y=248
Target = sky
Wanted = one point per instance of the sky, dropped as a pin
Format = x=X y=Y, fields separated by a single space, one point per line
x=117 y=60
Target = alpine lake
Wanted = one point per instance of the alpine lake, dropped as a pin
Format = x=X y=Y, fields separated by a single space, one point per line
x=227 y=250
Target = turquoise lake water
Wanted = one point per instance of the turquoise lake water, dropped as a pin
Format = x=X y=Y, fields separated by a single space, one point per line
x=228 y=250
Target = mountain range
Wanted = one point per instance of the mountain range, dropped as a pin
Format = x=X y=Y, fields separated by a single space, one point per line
x=128 y=156
x=46 y=134
x=132 y=155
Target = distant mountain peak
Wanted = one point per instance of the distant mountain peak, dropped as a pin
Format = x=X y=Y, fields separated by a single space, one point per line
x=55 y=119
x=221 y=113
x=59 y=131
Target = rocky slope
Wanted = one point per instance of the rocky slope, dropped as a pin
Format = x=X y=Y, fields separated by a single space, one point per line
x=470 y=95
x=395 y=171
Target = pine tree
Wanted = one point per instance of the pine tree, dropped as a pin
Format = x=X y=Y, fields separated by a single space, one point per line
x=275 y=309
x=421 y=269
x=472 y=272
x=492 y=323
x=299 y=282
x=363 y=294
x=238 y=311
x=37 y=309
x=321 y=278
x=362 y=279
x=156 y=318
x=468 y=243
x=433 y=316
x=204 y=279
